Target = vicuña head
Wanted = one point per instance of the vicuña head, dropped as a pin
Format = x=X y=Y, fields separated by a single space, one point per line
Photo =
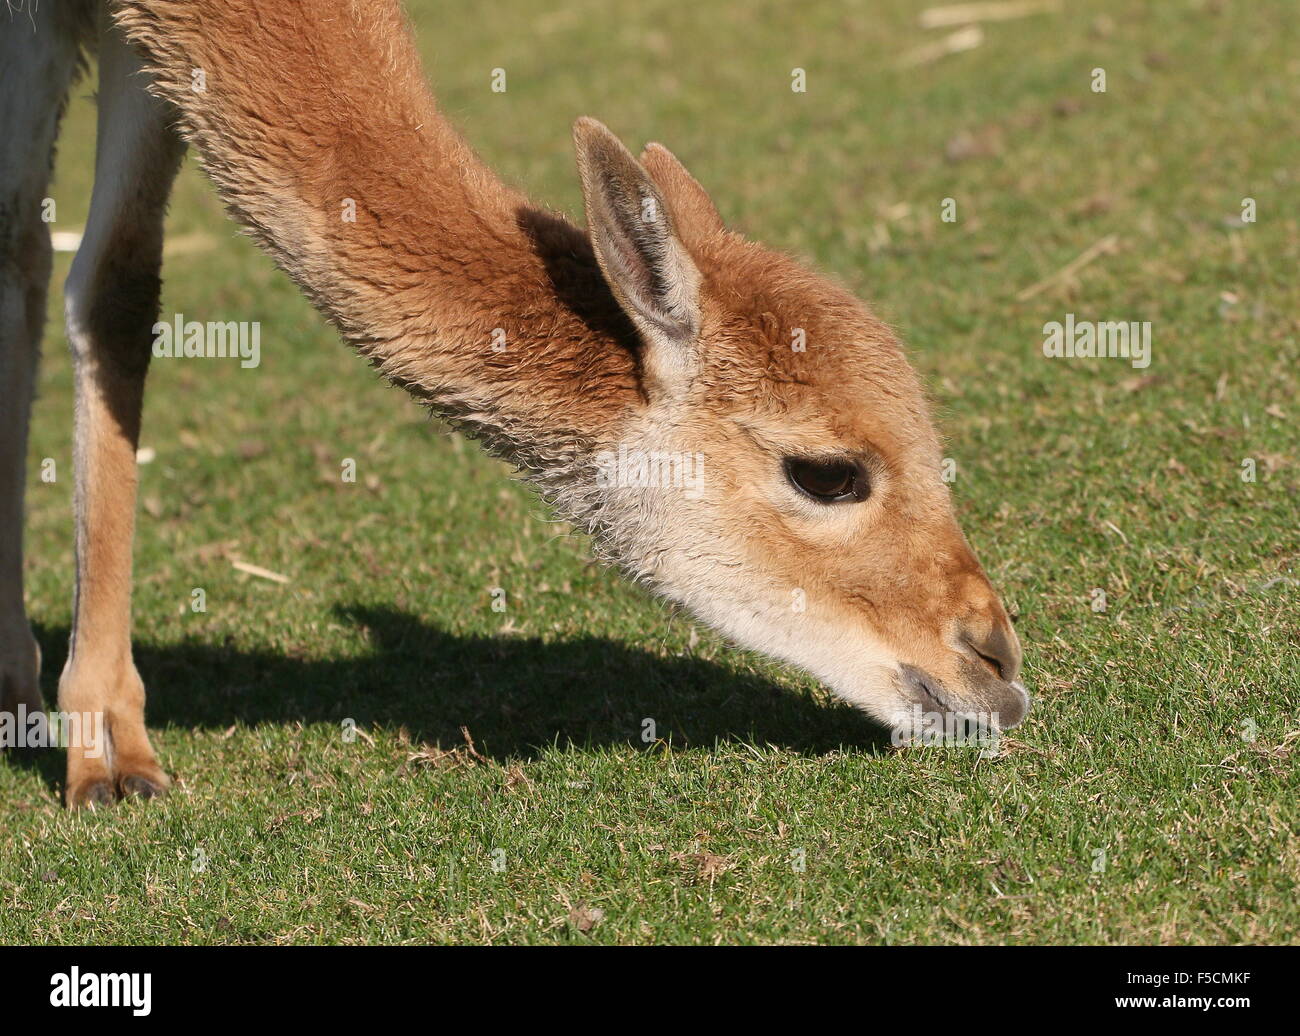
x=813 y=523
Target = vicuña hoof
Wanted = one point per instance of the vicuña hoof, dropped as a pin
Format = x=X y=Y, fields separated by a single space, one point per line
x=91 y=794
x=138 y=787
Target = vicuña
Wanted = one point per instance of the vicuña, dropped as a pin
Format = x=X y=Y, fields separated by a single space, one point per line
x=656 y=329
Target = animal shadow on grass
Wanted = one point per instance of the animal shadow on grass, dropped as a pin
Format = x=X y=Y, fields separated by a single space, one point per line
x=516 y=695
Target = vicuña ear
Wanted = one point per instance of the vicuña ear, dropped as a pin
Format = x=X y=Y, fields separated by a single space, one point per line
x=643 y=260
x=697 y=216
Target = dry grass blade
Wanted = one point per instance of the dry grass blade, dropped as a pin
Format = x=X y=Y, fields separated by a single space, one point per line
x=259 y=571
x=1106 y=246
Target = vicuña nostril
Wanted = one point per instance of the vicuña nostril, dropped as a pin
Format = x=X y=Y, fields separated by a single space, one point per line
x=991 y=664
x=997 y=650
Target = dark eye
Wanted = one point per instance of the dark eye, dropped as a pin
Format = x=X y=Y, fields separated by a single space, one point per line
x=832 y=481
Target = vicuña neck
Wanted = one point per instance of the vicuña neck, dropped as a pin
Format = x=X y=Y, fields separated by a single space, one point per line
x=316 y=126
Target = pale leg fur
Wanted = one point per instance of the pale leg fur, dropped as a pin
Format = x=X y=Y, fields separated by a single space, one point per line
x=112 y=303
x=38 y=61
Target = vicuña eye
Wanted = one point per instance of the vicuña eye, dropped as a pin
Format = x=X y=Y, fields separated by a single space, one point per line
x=833 y=481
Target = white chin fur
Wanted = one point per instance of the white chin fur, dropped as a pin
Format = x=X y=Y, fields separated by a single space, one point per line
x=856 y=670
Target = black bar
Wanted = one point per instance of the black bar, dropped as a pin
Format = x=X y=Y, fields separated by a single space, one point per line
x=596 y=985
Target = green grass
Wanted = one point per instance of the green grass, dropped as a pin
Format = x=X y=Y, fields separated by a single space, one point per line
x=1073 y=475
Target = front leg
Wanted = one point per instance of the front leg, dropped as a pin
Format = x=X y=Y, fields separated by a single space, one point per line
x=112 y=304
x=100 y=685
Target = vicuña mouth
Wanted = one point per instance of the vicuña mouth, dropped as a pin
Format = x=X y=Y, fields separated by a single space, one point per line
x=929 y=691
x=932 y=695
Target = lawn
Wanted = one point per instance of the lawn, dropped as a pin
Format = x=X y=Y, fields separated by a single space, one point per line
x=370 y=752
